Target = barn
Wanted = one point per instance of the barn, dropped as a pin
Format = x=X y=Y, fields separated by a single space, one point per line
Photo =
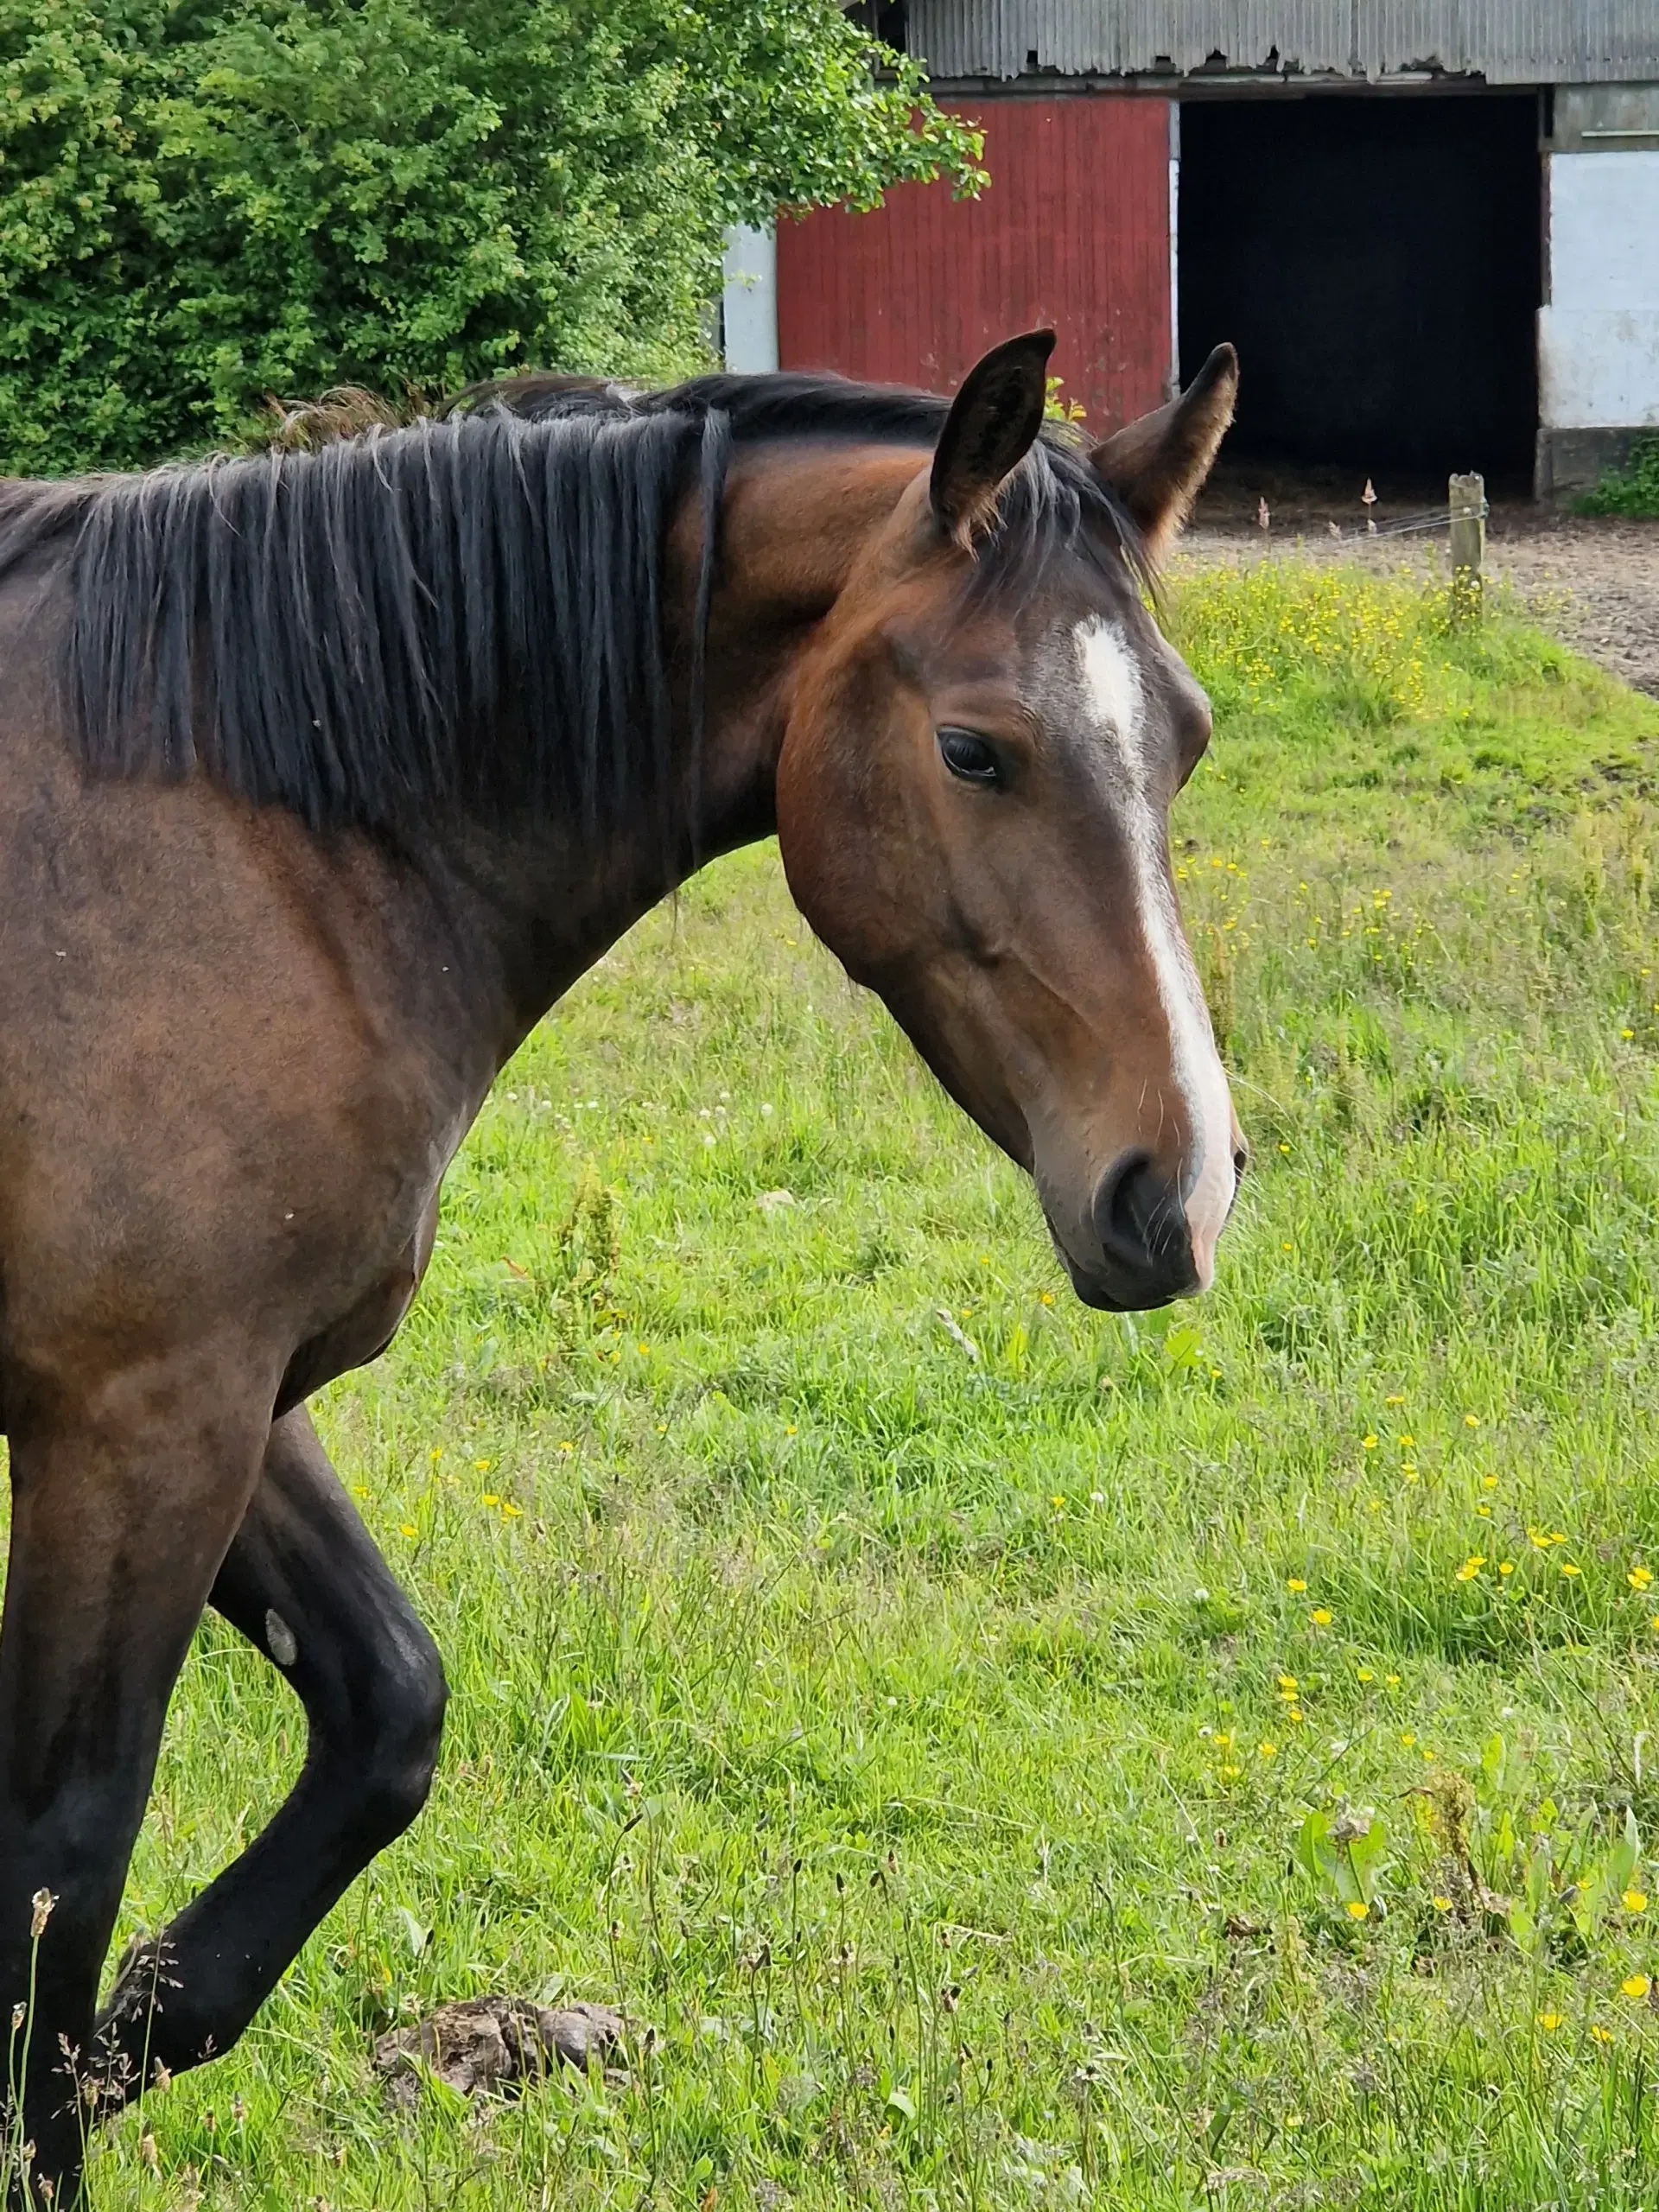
x=1431 y=226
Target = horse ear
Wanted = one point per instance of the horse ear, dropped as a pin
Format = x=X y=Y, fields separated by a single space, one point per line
x=992 y=426
x=1157 y=465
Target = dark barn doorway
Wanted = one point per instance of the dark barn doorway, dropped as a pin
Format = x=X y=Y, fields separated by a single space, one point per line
x=1377 y=263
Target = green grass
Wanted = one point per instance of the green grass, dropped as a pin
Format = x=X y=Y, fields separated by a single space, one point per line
x=1633 y=491
x=941 y=1754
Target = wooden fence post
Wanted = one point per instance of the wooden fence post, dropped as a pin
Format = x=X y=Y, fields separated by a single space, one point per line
x=1466 y=502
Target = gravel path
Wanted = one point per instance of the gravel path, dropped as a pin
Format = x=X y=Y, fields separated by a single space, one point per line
x=1592 y=580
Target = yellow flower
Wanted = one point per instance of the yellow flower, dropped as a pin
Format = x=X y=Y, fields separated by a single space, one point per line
x=513 y=1512
x=1047 y=1298
x=1639 y=1577
x=491 y=1498
x=1489 y=1482
x=1599 y=2034
x=1472 y=1567
x=1442 y=1904
x=1635 y=1985
x=1321 y=1616
x=1392 y=1681
x=1408 y=1739
x=1364 y=1674
x=1231 y=1773
x=408 y=1529
x=1287 y=1686
x=1405 y=1442
x=1634 y=1901
x=1627 y=1034
x=1567 y=1567
x=1506 y=1567
x=483 y=1465
x=565 y=1445
x=1358 y=1909
x=1368 y=1443
x=359 y=1490
x=1471 y=1420
x=1409 y=1469
x=1549 y=2021
x=642 y=1350
x=1293 y=1713
x=1058 y=1502
x=1398 y=1399
x=1295 y=1583
x=1266 y=1751
x=436 y=1453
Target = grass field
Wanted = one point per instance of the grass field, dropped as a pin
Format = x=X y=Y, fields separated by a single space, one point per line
x=999 y=1755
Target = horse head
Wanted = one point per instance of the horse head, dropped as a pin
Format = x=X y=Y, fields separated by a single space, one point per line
x=982 y=746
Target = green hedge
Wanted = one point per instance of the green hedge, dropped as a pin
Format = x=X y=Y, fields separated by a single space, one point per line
x=203 y=208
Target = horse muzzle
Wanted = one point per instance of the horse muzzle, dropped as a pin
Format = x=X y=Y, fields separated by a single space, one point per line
x=1137 y=1245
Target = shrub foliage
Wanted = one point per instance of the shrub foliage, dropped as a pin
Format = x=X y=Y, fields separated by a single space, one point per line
x=201 y=207
x=1631 y=491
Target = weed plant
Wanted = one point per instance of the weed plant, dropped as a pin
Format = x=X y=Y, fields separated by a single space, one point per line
x=1633 y=491
x=998 y=1755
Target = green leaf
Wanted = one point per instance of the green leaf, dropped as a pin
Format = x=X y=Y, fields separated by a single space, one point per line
x=1366 y=1855
x=1313 y=1851
x=1489 y=1786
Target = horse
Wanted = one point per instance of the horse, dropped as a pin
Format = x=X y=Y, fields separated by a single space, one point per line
x=323 y=773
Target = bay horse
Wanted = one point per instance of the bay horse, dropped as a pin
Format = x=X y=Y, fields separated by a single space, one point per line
x=322 y=775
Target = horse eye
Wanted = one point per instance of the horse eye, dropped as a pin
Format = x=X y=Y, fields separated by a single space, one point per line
x=969 y=757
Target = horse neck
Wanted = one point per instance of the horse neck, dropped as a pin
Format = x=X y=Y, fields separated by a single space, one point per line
x=794 y=522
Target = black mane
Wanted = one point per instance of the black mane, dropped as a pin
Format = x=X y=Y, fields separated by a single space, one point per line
x=467 y=610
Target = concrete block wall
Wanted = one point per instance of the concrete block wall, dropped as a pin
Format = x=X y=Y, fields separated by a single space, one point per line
x=749 y=304
x=1598 y=329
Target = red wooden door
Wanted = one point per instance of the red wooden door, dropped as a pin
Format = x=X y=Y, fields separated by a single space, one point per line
x=1073 y=232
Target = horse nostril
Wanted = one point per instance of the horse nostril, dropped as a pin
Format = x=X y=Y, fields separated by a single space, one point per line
x=1142 y=1227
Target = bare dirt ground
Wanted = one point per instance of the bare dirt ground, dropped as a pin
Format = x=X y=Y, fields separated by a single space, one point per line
x=1591 y=579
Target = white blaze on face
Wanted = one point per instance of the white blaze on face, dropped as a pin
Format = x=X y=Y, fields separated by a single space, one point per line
x=1111 y=685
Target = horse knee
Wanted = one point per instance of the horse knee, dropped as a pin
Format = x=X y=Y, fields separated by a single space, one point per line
x=395 y=1753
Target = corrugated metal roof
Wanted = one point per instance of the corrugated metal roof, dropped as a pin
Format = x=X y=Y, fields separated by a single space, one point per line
x=1505 y=41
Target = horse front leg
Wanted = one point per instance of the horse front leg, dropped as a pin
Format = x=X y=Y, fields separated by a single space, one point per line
x=122 y=1506
x=305 y=1585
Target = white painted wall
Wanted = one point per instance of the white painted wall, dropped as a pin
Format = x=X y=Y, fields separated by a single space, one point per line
x=1599 y=338
x=749 y=305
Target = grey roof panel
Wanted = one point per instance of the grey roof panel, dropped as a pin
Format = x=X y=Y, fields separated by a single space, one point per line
x=1506 y=41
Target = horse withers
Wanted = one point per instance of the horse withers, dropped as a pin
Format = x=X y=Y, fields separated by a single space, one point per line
x=322 y=775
